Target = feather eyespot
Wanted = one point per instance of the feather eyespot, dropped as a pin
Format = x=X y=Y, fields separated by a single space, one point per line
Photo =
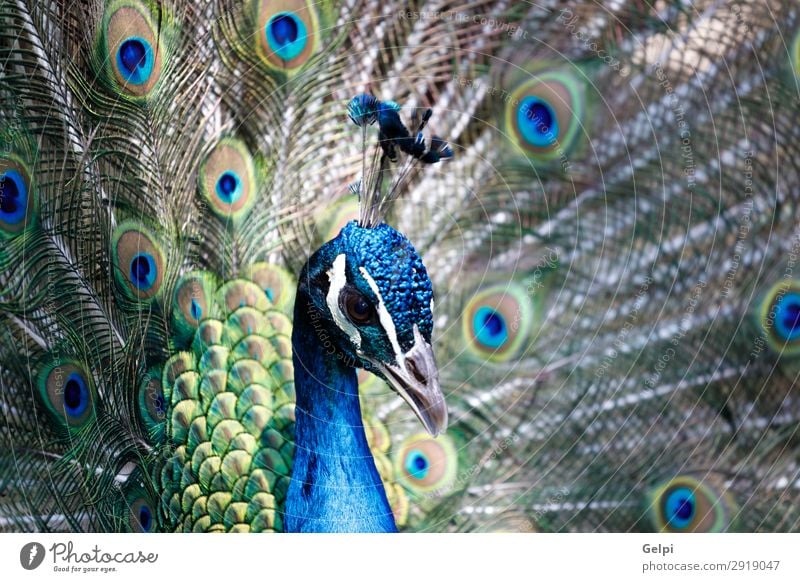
x=685 y=504
x=680 y=507
x=138 y=261
x=424 y=464
x=780 y=317
x=537 y=122
x=227 y=180
x=288 y=33
x=545 y=113
x=135 y=60
x=68 y=393
x=497 y=321
x=142 y=516
x=16 y=198
x=229 y=187
x=143 y=272
x=130 y=45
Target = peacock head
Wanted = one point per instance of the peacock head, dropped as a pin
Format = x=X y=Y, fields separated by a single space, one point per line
x=369 y=291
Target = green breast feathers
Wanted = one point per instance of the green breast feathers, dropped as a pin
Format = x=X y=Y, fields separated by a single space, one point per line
x=229 y=407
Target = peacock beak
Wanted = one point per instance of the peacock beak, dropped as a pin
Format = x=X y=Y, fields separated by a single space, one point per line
x=416 y=379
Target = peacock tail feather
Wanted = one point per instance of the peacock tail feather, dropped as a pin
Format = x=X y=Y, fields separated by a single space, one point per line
x=613 y=249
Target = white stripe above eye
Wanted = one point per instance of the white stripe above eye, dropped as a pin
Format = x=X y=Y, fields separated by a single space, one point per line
x=338 y=279
x=385 y=318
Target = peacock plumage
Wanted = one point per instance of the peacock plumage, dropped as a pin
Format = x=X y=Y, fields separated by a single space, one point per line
x=209 y=325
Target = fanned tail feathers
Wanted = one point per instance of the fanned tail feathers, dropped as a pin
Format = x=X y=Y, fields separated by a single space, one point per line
x=613 y=247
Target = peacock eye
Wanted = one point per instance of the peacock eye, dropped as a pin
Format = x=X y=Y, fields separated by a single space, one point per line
x=357 y=307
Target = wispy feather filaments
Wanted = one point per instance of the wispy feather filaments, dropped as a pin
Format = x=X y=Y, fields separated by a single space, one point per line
x=374 y=197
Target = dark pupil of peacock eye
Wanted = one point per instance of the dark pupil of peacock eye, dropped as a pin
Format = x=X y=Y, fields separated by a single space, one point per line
x=133 y=55
x=791 y=318
x=684 y=509
x=140 y=269
x=227 y=184
x=284 y=29
x=358 y=308
x=196 y=309
x=420 y=463
x=9 y=196
x=72 y=394
x=541 y=116
x=494 y=324
x=145 y=518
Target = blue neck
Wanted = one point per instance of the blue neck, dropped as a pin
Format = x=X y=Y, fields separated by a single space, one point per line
x=335 y=486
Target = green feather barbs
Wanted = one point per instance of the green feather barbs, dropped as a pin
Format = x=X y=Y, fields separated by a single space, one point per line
x=130 y=48
x=152 y=406
x=330 y=220
x=68 y=393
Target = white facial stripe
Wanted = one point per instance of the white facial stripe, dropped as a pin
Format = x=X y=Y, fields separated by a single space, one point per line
x=385 y=318
x=338 y=280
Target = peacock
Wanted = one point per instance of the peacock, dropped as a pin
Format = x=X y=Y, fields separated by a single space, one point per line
x=361 y=266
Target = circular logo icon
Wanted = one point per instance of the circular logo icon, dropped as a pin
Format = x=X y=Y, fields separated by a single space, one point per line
x=31 y=555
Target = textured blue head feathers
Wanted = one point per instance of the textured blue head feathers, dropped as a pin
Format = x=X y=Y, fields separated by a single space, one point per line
x=391 y=261
x=368 y=297
x=370 y=283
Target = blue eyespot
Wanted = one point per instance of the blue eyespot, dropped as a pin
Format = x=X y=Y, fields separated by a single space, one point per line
x=680 y=507
x=229 y=187
x=286 y=35
x=787 y=317
x=537 y=122
x=13 y=197
x=270 y=294
x=143 y=271
x=145 y=518
x=141 y=516
x=76 y=395
x=197 y=311
x=490 y=327
x=135 y=60
x=417 y=464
